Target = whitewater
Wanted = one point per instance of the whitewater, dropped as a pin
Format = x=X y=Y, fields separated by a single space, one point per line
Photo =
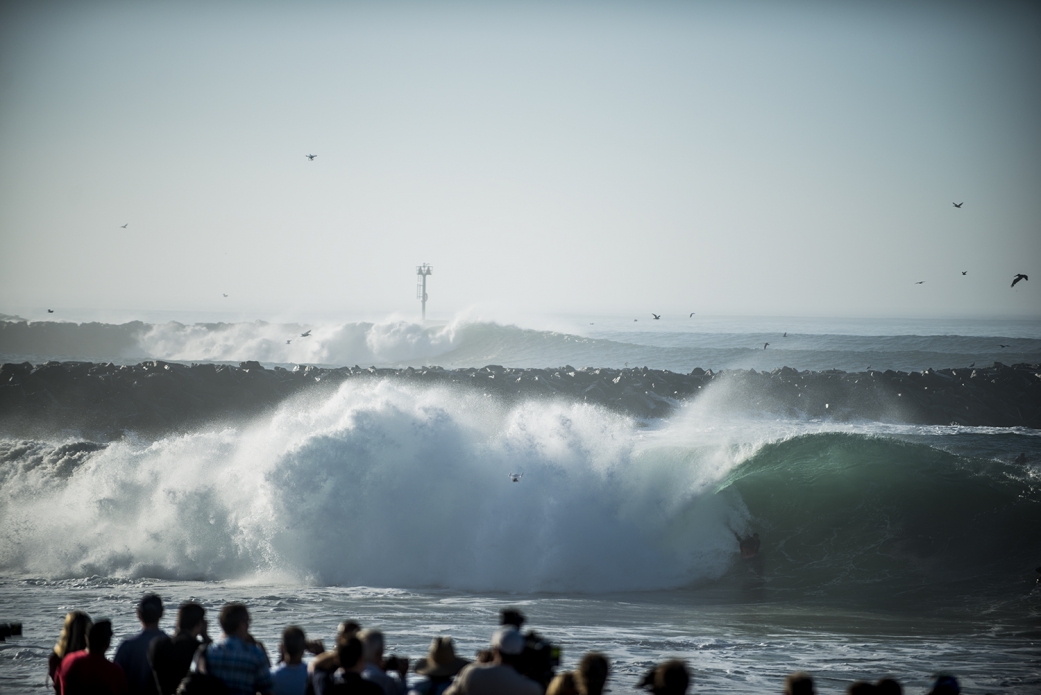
x=889 y=548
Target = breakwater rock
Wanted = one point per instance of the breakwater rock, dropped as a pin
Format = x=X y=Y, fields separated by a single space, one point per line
x=106 y=400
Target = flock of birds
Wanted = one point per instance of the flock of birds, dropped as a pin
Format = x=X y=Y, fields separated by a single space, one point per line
x=1017 y=278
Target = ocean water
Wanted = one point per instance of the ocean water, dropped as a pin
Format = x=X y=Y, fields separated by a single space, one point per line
x=888 y=549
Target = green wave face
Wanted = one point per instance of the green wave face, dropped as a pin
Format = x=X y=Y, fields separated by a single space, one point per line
x=849 y=514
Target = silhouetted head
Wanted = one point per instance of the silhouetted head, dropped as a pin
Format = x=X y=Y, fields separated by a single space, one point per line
x=294 y=641
x=189 y=616
x=150 y=609
x=945 y=685
x=799 y=683
x=100 y=637
x=591 y=674
x=348 y=628
x=73 y=636
x=349 y=652
x=668 y=678
x=512 y=616
x=888 y=686
x=232 y=617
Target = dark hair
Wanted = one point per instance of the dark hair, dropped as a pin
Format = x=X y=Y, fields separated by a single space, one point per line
x=150 y=608
x=294 y=641
x=232 y=615
x=592 y=672
x=349 y=628
x=189 y=615
x=99 y=637
x=349 y=652
x=671 y=677
x=512 y=616
x=888 y=686
x=861 y=688
x=799 y=683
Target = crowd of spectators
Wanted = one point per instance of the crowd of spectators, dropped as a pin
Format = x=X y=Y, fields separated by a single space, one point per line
x=190 y=663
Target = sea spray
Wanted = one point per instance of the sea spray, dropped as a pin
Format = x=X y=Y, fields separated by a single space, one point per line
x=384 y=485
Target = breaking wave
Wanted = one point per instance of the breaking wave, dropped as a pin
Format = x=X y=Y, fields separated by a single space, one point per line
x=384 y=484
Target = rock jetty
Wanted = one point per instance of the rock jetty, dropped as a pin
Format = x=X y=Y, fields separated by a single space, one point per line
x=152 y=398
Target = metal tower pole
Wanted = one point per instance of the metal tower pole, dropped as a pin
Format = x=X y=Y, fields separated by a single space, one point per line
x=422 y=271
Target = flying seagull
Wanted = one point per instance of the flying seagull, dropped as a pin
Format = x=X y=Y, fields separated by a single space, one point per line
x=224 y=294
x=305 y=335
x=691 y=314
x=124 y=226
x=1019 y=276
x=311 y=156
x=50 y=311
x=1002 y=346
x=785 y=334
x=964 y=272
x=958 y=205
x=288 y=342
x=515 y=477
x=764 y=345
x=656 y=316
x=920 y=282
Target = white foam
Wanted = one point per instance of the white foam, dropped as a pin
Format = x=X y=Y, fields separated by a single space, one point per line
x=385 y=485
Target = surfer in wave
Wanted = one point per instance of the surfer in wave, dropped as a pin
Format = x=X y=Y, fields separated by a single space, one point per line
x=749 y=544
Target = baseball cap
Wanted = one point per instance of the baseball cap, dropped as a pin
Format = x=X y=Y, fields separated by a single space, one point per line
x=508 y=641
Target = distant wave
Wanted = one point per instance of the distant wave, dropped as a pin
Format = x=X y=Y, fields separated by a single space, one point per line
x=472 y=343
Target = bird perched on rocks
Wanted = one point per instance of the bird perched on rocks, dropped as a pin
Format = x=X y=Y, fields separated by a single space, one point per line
x=1019 y=276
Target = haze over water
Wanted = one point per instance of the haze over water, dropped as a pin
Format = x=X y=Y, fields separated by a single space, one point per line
x=567 y=170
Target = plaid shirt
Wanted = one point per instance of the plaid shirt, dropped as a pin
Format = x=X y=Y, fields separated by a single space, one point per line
x=243 y=667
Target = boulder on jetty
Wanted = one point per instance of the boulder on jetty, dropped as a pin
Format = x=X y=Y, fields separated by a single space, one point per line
x=153 y=398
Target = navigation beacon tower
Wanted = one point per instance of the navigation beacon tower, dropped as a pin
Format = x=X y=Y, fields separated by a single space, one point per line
x=421 y=284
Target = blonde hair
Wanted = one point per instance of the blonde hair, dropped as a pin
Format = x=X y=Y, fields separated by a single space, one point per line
x=563 y=684
x=73 y=634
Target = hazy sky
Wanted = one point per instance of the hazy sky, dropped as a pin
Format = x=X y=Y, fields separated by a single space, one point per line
x=725 y=158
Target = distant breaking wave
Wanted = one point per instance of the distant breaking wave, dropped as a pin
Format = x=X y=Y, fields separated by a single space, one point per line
x=466 y=343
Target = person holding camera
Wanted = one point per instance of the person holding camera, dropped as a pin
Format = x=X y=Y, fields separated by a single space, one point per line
x=500 y=677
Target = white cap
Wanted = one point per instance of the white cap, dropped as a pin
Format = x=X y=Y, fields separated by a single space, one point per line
x=508 y=641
